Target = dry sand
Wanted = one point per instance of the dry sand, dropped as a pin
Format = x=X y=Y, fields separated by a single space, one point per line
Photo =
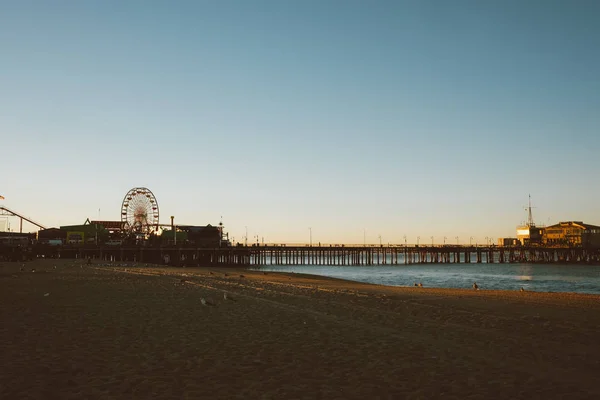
x=122 y=332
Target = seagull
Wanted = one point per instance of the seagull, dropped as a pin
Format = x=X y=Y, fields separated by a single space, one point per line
x=475 y=286
x=420 y=284
x=205 y=303
x=522 y=289
x=225 y=297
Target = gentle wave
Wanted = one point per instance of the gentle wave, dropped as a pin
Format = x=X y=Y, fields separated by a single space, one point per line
x=535 y=277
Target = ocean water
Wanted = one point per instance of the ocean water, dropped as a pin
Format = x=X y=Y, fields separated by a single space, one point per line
x=533 y=277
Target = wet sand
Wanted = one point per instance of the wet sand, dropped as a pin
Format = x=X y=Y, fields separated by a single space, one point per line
x=122 y=332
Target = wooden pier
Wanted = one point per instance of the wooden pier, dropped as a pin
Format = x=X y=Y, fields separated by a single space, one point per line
x=257 y=256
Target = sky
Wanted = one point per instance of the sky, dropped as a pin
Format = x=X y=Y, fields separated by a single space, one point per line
x=344 y=120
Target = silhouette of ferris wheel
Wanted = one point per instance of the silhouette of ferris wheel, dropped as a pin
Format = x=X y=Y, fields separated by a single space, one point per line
x=139 y=211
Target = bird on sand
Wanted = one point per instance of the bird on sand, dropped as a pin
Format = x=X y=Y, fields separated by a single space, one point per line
x=475 y=286
x=205 y=302
x=225 y=297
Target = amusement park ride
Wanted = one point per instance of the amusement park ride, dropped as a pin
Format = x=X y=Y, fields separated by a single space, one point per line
x=139 y=223
x=139 y=212
x=7 y=212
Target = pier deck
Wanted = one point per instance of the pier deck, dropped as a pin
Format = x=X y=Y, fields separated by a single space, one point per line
x=339 y=255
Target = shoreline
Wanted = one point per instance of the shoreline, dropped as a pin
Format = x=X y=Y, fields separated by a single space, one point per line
x=506 y=282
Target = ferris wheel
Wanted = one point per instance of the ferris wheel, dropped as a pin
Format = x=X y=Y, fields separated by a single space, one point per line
x=139 y=211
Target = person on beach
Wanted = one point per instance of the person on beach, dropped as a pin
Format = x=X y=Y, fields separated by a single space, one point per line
x=475 y=286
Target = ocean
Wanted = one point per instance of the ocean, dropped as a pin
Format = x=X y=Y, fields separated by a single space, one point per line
x=532 y=277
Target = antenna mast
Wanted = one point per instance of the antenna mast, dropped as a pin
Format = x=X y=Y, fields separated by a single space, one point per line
x=530 y=218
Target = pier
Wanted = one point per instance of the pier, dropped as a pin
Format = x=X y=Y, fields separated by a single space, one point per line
x=334 y=255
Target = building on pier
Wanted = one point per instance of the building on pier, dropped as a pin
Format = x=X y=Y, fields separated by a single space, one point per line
x=201 y=236
x=591 y=237
x=51 y=235
x=530 y=235
x=508 y=242
x=110 y=226
x=572 y=233
x=86 y=233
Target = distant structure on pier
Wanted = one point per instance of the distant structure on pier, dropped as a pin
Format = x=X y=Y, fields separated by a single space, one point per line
x=139 y=226
x=572 y=234
x=529 y=234
x=563 y=234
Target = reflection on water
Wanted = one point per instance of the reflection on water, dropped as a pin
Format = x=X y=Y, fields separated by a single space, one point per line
x=538 y=277
x=525 y=272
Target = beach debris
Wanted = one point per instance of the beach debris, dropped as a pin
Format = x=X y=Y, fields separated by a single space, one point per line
x=33 y=270
x=264 y=273
x=475 y=286
x=46 y=294
x=205 y=302
x=522 y=289
x=226 y=274
x=242 y=276
x=55 y=267
x=211 y=273
x=420 y=284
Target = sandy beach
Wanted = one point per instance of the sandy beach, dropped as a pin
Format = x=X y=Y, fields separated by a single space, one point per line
x=74 y=331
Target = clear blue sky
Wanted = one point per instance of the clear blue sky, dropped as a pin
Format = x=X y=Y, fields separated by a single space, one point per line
x=417 y=118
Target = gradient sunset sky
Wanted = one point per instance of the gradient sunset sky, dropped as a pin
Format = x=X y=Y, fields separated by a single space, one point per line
x=418 y=118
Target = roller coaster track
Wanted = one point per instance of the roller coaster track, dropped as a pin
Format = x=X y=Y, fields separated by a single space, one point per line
x=6 y=211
